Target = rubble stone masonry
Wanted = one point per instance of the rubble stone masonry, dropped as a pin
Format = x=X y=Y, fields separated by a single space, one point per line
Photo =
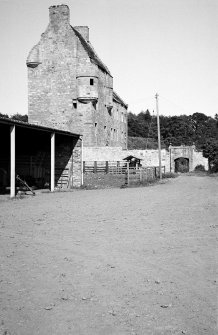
x=70 y=88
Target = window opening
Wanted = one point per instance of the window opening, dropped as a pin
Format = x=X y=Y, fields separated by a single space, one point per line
x=91 y=82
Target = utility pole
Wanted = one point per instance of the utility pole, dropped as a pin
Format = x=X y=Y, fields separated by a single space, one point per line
x=158 y=134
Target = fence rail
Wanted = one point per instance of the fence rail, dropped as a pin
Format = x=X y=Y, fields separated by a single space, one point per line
x=114 y=167
x=132 y=174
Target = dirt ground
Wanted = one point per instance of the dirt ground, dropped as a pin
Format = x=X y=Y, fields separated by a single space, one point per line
x=111 y=261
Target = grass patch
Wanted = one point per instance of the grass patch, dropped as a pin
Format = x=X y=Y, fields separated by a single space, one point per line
x=170 y=175
x=93 y=181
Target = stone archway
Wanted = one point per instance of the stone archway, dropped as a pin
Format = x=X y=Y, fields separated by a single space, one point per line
x=181 y=164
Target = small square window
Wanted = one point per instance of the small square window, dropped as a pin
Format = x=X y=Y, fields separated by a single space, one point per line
x=91 y=82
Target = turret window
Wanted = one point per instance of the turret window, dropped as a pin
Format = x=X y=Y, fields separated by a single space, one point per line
x=91 y=82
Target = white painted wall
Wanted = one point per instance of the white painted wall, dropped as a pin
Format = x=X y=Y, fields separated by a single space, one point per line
x=148 y=157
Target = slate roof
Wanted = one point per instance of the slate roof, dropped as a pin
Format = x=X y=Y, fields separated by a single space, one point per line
x=119 y=100
x=91 y=52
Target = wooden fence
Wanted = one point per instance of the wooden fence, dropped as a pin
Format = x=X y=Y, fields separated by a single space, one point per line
x=114 y=167
x=133 y=175
x=140 y=176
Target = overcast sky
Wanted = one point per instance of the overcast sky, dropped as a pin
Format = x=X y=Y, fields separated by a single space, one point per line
x=164 y=46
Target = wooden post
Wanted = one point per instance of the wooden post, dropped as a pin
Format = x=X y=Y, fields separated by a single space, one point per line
x=106 y=167
x=12 y=140
x=84 y=167
x=127 y=173
x=170 y=147
x=118 y=167
x=95 y=167
x=146 y=174
x=52 y=162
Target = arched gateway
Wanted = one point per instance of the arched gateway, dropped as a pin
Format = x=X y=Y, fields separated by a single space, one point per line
x=181 y=158
x=181 y=164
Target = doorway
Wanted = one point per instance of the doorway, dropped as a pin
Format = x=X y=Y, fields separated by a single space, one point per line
x=182 y=165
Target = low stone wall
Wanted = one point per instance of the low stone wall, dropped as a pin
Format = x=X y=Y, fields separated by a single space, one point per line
x=198 y=159
x=148 y=157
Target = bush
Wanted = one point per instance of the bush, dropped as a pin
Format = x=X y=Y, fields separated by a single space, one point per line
x=199 y=167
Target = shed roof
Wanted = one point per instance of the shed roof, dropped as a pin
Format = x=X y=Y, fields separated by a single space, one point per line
x=22 y=124
x=131 y=157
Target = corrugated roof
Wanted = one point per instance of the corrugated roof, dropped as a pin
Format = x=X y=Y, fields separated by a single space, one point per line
x=9 y=121
x=91 y=52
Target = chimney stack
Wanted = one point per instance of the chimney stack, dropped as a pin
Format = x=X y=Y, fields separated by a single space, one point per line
x=59 y=14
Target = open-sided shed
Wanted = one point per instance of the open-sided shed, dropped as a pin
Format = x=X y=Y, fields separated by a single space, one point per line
x=40 y=155
x=133 y=161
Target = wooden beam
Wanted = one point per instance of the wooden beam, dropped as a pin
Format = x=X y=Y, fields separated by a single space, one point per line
x=12 y=161
x=52 y=162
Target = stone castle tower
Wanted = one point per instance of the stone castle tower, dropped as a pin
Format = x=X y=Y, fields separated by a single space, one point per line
x=70 y=88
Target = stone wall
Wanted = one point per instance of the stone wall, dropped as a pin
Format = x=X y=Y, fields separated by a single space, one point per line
x=148 y=157
x=68 y=162
x=70 y=88
x=194 y=157
x=76 y=180
x=198 y=159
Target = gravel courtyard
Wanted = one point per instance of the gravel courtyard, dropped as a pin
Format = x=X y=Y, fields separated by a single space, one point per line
x=111 y=262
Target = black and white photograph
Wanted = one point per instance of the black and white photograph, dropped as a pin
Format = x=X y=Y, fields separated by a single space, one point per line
x=108 y=167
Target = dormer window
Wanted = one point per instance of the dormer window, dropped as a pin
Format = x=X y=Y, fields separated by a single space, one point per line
x=91 y=82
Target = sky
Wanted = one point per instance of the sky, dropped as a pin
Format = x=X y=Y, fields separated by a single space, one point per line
x=169 y=47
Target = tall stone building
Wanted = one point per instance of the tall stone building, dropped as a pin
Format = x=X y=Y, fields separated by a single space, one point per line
x=70 y=88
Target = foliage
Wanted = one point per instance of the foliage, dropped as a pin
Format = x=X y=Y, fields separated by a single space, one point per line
x=200 y=167
x=142 y=143
x=210 y=151
x=18 y=117
x=175 y=130
x=169 y=175
x=4 y=115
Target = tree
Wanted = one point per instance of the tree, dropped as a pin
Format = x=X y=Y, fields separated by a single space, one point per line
x=4 y=115
x=210 y=151
x=19 y=117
